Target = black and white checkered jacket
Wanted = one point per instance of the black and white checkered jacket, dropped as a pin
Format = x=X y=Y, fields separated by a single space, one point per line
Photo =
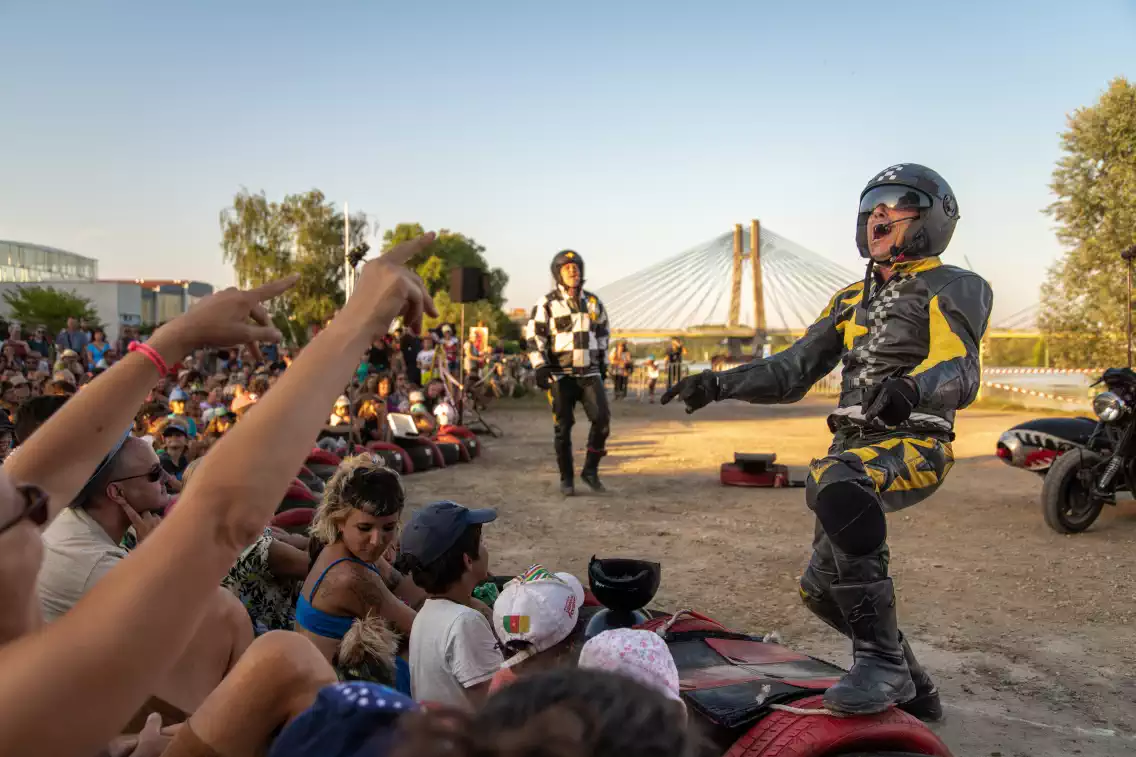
x=569 y=334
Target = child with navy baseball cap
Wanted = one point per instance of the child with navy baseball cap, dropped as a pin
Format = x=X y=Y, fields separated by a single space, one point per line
x=453 y=651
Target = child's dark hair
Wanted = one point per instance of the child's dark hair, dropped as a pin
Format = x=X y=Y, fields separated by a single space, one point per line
x=567 y=712
x=258 y=385
x=33 y=413
x=446 y=570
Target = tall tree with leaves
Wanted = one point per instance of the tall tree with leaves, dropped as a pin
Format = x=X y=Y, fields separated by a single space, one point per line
x=450 y=250
x=1083 y=299
x=303 y=234
x=51 y=307
x=453 y=250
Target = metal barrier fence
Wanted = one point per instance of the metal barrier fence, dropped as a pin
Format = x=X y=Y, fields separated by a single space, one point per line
x=1065 y=389
x=639 y=383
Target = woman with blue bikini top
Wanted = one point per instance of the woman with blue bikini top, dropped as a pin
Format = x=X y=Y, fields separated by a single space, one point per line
x=349 y=579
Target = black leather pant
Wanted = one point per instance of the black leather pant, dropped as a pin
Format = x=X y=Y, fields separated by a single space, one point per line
x=589 y=392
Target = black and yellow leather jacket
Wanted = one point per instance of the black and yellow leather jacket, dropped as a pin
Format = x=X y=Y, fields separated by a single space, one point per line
x=925 y=322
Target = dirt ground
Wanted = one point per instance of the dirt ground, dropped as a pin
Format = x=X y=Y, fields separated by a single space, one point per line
x=1030 y=634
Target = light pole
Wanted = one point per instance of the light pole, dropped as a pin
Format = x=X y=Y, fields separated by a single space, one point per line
x=1128 y=256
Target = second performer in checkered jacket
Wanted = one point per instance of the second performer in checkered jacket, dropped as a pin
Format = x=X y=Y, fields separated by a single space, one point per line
x=567 y=339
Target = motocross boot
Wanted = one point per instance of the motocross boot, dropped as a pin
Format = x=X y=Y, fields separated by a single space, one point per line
x=564 y=463
x=590 y=474
x=816 y=584
x=925 y=705
x=879 y=677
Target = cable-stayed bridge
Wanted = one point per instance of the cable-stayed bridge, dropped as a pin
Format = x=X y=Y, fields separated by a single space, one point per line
x=730 y=287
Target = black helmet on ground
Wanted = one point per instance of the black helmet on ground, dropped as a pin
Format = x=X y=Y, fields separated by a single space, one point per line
x=911 y=186
x=563 y=258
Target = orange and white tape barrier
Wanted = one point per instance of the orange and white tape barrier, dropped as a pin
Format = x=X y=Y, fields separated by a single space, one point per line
x=1022 y=371
x=1032 y=392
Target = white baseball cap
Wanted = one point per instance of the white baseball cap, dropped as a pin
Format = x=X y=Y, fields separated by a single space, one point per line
x=537 y=607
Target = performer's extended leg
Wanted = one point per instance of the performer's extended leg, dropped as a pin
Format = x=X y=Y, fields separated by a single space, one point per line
x=816 y=585
x=564 y=393
x=594 y=399
x=844 y=490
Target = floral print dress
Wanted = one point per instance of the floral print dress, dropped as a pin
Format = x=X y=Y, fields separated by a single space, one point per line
x=270 y=601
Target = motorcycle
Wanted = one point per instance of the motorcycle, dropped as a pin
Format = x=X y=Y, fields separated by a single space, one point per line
x=1088 y=472
x=1035 y=445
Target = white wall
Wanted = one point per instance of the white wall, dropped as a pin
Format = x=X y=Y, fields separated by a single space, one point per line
x=115 y=303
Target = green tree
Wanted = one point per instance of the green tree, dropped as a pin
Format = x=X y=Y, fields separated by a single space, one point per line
x=453 y=250
x=1083 y=298
x=303 y=234
x=32 y=306
x=450 y=250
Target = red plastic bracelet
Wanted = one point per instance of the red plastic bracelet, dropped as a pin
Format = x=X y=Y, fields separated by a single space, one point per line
x=152 y=355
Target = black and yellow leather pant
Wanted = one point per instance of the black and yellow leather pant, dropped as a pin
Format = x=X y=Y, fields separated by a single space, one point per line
x=862 y=477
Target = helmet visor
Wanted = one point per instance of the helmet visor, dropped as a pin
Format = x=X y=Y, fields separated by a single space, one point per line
x=895 y=197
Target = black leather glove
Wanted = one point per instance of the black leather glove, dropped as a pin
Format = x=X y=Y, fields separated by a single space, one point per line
x=891 y=401
x=544 y=377
x=696 y=391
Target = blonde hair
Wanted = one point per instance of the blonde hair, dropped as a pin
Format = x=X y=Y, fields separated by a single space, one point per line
x=370 y=644
x=185 y=475
x=362 y=482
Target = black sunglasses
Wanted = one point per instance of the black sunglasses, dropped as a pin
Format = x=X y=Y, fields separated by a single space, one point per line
x=152 y=475
x=34 y=509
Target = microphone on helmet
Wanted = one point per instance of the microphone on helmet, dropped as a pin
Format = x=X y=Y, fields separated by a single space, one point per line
x=884 y=228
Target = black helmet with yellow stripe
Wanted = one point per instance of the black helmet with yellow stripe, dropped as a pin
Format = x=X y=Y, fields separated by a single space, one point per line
x=563 y=258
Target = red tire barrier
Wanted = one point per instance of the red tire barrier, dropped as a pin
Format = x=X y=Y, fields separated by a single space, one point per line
x=464 y=455
x=420 y=456
x=321 y=456
x=452 y=451
x=394 y=455
x=473 y=444
x=294 y=521
x=297 y=496
x=732 y=475
x=788 y=734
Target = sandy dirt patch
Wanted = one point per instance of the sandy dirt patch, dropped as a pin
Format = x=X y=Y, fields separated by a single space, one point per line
x=1029 y=633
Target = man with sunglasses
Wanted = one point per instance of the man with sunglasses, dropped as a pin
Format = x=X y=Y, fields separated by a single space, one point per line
x=908 y=336
x=83 y=543
x=41 y=343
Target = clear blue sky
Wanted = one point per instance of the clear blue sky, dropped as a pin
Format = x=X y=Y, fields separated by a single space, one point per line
x=628 y=131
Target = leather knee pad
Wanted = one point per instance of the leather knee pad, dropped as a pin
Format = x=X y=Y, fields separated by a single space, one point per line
x=852 y=517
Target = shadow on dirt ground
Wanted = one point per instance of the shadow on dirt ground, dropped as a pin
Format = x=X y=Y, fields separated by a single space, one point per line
x=1029 y=633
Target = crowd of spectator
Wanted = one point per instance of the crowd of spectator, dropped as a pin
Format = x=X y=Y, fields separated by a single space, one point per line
x=150 y=608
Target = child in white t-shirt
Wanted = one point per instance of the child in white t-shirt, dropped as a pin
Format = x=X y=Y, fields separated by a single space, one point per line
x=427 y=359
x=453 y=651
x=652 y=377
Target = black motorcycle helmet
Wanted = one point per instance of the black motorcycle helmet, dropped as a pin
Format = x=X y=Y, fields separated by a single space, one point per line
x=563 y=258
x=910 y=185
x=624 y=587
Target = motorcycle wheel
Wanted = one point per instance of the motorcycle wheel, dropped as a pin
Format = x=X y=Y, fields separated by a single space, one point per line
x=1068 y=504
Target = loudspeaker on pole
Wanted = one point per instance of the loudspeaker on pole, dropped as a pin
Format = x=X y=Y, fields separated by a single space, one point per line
x=468 y=284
